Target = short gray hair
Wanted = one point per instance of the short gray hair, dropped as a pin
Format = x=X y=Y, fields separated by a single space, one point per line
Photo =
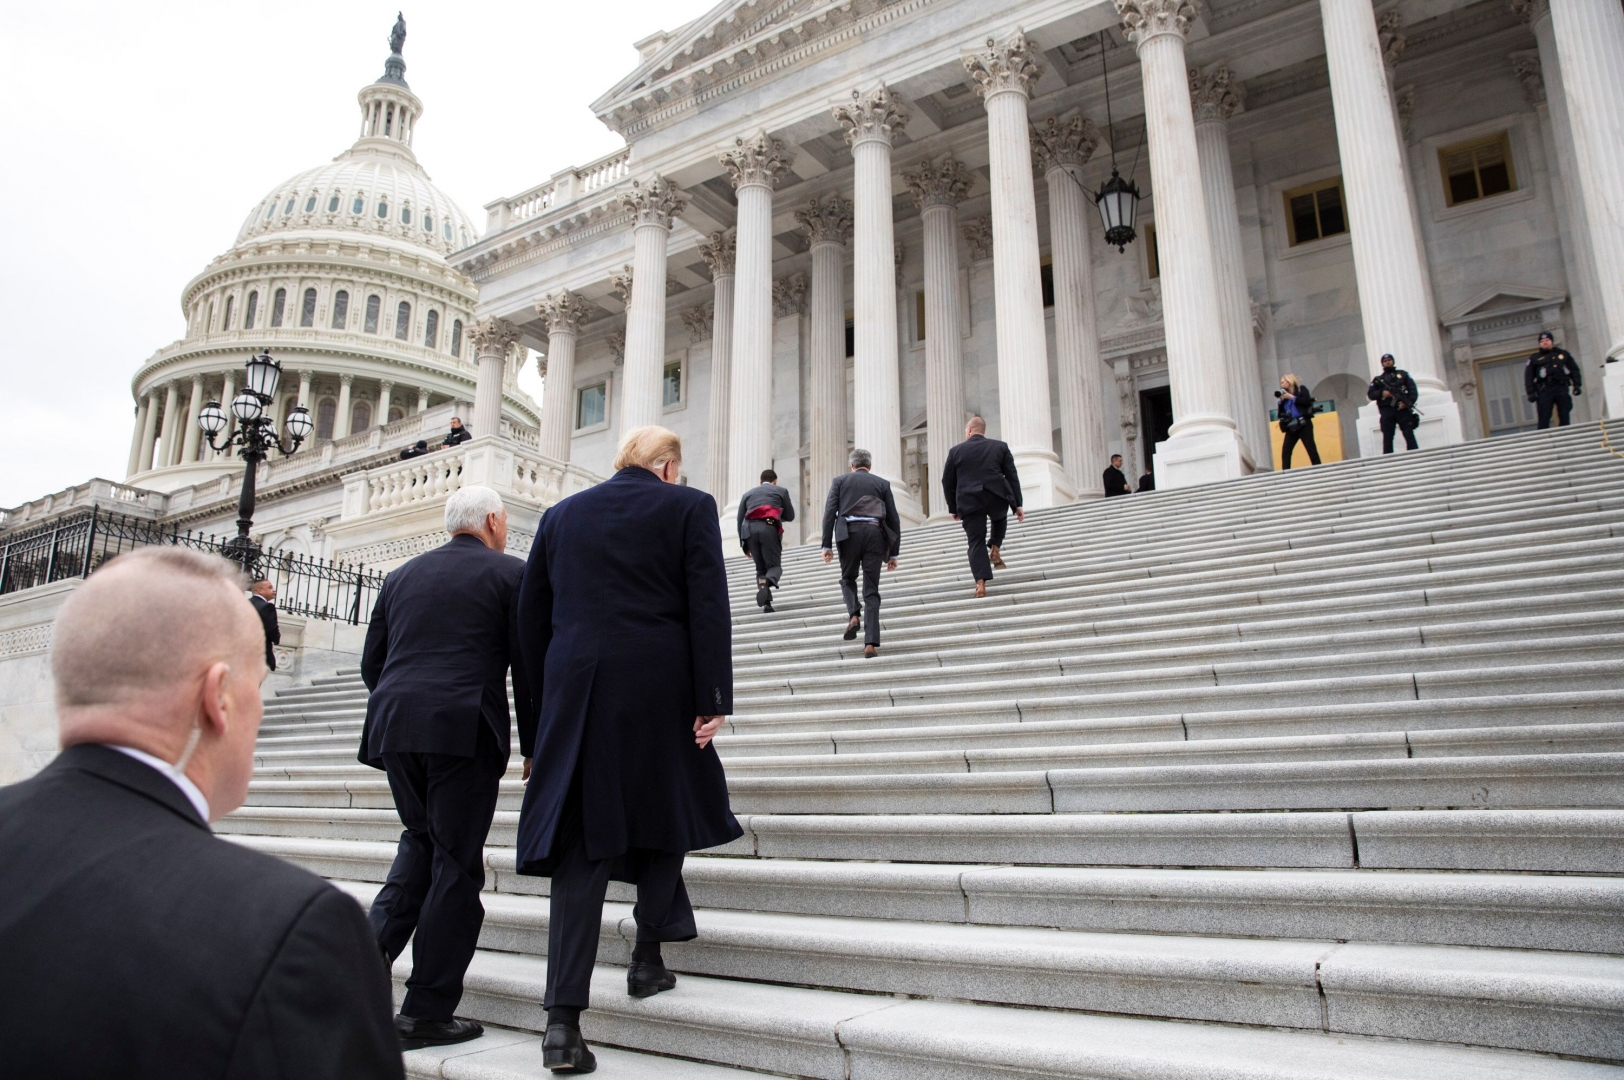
x=861 y=459
x=468 y=507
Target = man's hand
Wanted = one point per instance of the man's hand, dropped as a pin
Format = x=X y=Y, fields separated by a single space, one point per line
x=890 y=564
x=528 y=762
x=1020 y=515
x=705 y=729
x=828 y=556
x=955 y=517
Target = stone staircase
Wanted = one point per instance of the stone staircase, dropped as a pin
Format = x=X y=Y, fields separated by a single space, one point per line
x=1309 y=775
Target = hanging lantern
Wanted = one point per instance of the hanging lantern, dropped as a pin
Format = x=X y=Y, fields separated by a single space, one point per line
x=1118 y=203
x=263 y=375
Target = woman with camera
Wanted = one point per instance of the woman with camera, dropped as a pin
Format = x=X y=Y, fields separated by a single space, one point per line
x=1296 y=420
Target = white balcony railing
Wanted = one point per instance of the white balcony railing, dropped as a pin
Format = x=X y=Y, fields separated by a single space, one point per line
x=562 y=189
x=502 y=464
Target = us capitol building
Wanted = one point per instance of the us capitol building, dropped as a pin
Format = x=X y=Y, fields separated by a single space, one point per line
x=857 y=222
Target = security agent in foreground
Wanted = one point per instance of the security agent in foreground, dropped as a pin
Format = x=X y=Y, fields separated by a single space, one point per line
x=861 y=516
x=762 y=511
x=1547 y=378
x=1395 y=394
x=136 y=944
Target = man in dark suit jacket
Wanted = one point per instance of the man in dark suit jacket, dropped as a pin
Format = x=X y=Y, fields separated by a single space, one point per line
x=135 y=944
x=861 y=516
x=443 y=636
x=262 y=594
x=458 y=434
x=981 y=484
x=1115 y=482
x=762 y=513
x=629 y=641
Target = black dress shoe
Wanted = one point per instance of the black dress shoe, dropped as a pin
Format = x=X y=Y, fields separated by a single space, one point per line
x=764 y=597
x=852 y=627
x=645 y=978
x=766 y=609
x=563 y=1050
x=416 y=1034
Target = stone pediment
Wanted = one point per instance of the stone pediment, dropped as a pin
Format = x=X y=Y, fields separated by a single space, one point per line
x=1501 y=300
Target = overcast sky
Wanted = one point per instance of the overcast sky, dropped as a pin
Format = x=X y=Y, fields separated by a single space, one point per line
x=136 y=138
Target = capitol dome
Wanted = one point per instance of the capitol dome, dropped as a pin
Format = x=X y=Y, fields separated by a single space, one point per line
x=342 y=273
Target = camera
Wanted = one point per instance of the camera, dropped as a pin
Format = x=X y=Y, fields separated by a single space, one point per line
x=1277 y=393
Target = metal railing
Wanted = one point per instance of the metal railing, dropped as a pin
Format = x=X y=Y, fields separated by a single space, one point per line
x=74 y=545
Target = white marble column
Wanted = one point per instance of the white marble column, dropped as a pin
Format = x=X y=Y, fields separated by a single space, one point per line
x=149 y=433
x=828 y=225
x=171 y=422
x=304 y=387
x=228 y=391
x=341 y=422
x=143 y=407
x=719 y=252
x=1005 y=73
x=194 y=409
x=1061 y=149
x=562 y=312
x=870 y=120
x=1214 y=97
x=1395 y=289
x=1590 y=48
x=652 y=205
x=938 y=188
x=422 y=398
x=1203 y=445
x=385 y=389
x=493 y=338
x=755 y=165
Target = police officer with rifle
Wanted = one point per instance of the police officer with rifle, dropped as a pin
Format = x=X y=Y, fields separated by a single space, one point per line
x=1546 y=379
x=1394 y=393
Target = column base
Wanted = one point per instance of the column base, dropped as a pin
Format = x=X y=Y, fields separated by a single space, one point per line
x=1043 y=482
x=1440 y=424
x=1203 y=457
x=909 y=511
x=1612 y=388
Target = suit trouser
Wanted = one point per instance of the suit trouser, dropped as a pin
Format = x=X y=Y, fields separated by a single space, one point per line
x=1389 y=424
x=446 y=804
x=975 y=528
x=863 y=549
x=1561 y=400
x=766 y=547
x=1289 y=444
x=575 y=920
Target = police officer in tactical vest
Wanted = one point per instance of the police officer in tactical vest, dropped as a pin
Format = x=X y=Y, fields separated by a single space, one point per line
x=1394 y=393
x=1546 y=379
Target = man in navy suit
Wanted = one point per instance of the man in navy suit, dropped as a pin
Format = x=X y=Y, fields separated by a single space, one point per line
x=981 y=485
x=443 y=636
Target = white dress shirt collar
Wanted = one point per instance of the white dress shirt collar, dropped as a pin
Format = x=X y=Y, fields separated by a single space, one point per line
x=178 y=778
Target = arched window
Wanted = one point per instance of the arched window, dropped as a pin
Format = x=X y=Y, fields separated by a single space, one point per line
x=225 y=323
x=326 y=413
x=428 y=222
x=405 y=215
x=332 y=204
x=389 y=120
x=288 y=209
x=270 y=208
x=360 y=416
x=359 y=204
x=250 y=311
x=448 y=232
x=403 y=321
x=373 y=305
x=310 y=203
x=307 y=312
x=383 y=208
x=431 y=335
x=456 y=337
x=210 y=324
x=341 y=309
x=278 y=305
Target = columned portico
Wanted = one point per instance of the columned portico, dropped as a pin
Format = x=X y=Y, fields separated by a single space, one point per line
x=1061 y=149
x=653 y=205
x=719 y=253
x=1394 y=286
x=562 y=313
x=492 y=340
x=1203 y=445
x=1005 y=74
x=938 y=188
x=828 y=225
x=870 y=120
x=755 y=166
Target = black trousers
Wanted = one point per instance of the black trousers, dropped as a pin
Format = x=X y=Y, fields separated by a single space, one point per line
x=1389 y=425
x=975 y=529
x=863 y=549
x=1306 y=437
x=766 y=546
x=575 y=922
x=1556 y=397
x=446 y=804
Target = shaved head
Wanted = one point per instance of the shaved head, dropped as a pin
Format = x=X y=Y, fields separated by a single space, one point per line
x=976 y=426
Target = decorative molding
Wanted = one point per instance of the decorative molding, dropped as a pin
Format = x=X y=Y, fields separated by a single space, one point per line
x=654 y=203
x=829 y=220
x=1390 y=33
x=1145 y=19
x=978 y=234
x=789 y=295
x=563 y=312
x=761 y=161
x=1064 y=142
x=872 y=117
x=1215 y=94
x=699 y=319
x=1010 y=67
x=23 y=642
x=943 y=183
x=1530 y=74
x=719 y=252
x=492 y=337
x=621 y=282
x=616 y=340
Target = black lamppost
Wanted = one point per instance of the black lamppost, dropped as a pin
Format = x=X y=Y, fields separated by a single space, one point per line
x=256 y=435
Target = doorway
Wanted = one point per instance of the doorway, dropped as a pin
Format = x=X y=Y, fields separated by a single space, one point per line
x=1155 y=418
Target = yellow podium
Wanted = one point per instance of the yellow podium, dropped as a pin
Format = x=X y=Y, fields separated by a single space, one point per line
x=1327 y=436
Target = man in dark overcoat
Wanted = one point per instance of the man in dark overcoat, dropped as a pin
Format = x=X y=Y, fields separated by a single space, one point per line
x=262 y=594
x=981 y=486
x=762 y=513
x=860 y=515
x=625 y=627
x=443 y=636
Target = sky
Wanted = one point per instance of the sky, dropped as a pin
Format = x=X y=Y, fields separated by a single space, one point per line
x=134 y=139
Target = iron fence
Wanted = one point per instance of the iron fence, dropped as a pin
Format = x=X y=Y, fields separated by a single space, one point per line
x=74 y=545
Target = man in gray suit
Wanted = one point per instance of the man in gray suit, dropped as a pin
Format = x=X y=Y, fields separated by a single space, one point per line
x=762 y=513
x=861 y=516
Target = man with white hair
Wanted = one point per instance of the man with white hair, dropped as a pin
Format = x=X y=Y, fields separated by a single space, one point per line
x=137 y=944
x=443 y=636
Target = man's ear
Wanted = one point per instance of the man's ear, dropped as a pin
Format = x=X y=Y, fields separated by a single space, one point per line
x=214 y=713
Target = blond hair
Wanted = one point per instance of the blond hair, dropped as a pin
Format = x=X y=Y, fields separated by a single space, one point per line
x=650 y=447
x=1292 y=381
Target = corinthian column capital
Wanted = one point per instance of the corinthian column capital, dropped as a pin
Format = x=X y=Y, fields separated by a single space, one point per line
x=761 y=160
x=1215 y=94
x=874 y=116
x=1064 y=142
x=827 y=221
x=1145 y=19
x=1010 y=66
x=1530 y=11
x=1390 y=33
x=944 y=183
x=654 y=203
x=563 y=312
x=1530 y=74
x=719 y=252
x=494 y=337
x=621 y=282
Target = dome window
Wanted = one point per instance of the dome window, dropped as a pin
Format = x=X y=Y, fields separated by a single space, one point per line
x=383 y=208
x=278 y=305
x=360 y=416
x=270 y=209
x=431 y=335
x=332 y=204
x=373 y=307
x=310 y=203
x=358 y=205
x=225 y=321
x=456 y=337
x=288 y=209
x=448 y=232
x=405 y=215
x=428 y=223
x=326 y=413
x=403 y=321
x=251 y=310
x=341 y=309
x=307 y=310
